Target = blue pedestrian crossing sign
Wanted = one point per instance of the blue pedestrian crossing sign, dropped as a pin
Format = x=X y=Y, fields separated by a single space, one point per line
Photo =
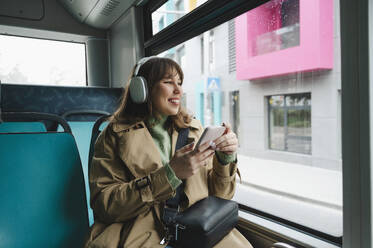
x=213 y=84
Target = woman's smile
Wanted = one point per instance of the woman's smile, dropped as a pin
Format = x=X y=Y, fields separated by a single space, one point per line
x=166 y=94
x=174 y=101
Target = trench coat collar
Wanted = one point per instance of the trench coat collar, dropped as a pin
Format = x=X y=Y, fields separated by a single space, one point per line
x=142 y=155
x=118 y=126
x=137 y=148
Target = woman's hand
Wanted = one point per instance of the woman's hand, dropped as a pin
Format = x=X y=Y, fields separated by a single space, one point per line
x=187 y=162
x=227 y=143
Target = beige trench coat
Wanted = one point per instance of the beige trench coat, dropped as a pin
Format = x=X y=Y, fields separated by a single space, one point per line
x=129 y=217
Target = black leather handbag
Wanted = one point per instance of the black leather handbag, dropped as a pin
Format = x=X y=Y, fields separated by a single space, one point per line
x=203 y=224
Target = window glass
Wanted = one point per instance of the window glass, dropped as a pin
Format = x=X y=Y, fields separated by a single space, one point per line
x=184 y=100
x=171 y=11
x=211 y=50
x=37 y=61
x=202 y=55
x=234 y=114
x=277 y=26
x=288 y=124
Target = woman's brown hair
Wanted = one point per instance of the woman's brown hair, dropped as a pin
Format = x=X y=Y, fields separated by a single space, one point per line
x=153 y=71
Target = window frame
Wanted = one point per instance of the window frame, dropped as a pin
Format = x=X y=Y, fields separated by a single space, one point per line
x=354 y=31
x=356 y=164
x=206 y=16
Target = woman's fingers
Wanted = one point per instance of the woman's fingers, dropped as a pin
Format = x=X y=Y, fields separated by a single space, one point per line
x=203 y=157
x=229 y=135
x=228 y=143
x=228 y=139
x=194 y=159
x=207 y=154
x=185 y=149
x=228 y=127
x=206 y=160
x=229 y=149
x=202 y=148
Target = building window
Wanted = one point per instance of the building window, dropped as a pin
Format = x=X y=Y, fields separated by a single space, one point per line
x=211 y=50
x=290 y=123
x=201 y=110
x=184 y=100
x=210 y=109
x=280 y=34
x=180 y=56
x=234 y=114
x=179 y=7
x=161 y=23
x=289 y=32
x=172 y=10
x=231 y=46
x=202 y=55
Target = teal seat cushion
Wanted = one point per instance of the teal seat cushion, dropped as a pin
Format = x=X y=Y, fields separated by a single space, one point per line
x=82 y=131
x=43 y=201
x=21 y=127
x=103 y=125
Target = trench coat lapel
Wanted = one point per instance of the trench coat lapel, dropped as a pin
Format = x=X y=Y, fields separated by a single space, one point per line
x=141 y=155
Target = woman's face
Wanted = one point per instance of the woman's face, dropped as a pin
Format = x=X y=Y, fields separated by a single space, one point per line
x=166 y=94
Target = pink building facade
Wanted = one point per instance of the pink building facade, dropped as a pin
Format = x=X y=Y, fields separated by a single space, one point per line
x=275 y=40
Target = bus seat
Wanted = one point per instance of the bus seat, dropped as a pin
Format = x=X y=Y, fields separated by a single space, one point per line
x=99 y=125
x=22 y=127
x=43 y=200
x=81 y=123
x=21 y=122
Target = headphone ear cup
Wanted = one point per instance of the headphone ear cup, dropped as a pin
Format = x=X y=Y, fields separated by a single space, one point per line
x=138 y=89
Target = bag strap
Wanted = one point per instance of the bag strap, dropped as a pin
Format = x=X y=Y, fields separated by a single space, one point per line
x=171 y=208
x=181 y=141
x=182 y=138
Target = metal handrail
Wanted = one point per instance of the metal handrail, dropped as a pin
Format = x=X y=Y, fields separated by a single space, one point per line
x=281 y=245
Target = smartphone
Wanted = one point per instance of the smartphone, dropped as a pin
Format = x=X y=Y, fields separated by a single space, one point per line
x=210 y=133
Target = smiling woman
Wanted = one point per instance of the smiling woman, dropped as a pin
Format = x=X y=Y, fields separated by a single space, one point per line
x=139 y=165
x=290 y=76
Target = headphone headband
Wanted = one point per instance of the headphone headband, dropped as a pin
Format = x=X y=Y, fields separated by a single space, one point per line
x=141 y=62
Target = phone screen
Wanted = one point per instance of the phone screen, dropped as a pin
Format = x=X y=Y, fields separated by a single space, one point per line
x=210 y=133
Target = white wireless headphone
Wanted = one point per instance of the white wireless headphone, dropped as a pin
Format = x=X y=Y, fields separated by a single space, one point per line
x=138 y=85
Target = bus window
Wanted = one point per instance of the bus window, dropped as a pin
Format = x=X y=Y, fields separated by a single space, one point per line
x=37 y=61
x=171 y=11
x=284 y=108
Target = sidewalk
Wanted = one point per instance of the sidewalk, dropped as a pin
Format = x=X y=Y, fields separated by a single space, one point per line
x=309 y=183
x=302 y=194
